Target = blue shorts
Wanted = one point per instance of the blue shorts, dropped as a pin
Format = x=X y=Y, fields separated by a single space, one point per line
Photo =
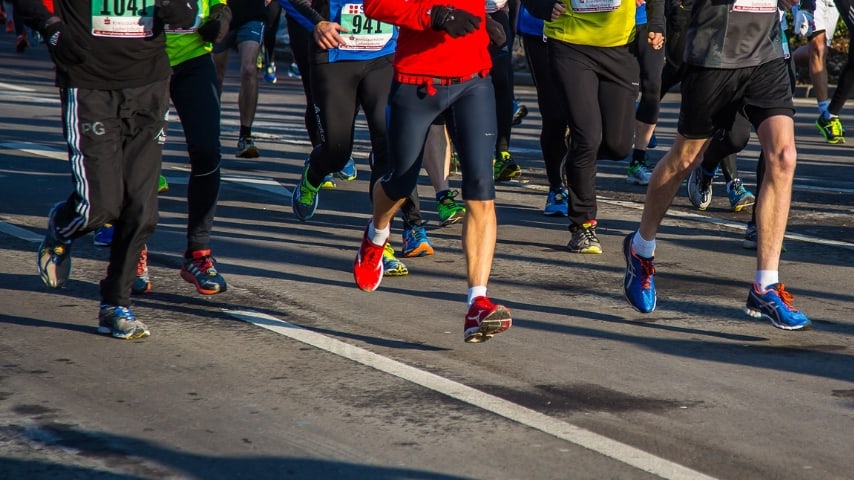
x=469 y=112
x=251 y=31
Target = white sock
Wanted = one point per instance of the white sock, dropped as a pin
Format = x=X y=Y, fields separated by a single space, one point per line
x=378 y=236
x=764 y=278
x=643 y=248
x=475 y=292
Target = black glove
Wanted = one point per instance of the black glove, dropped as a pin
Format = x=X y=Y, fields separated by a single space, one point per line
x=64 y=50
x=177 y=13
x=217 y=24
x=456 y=22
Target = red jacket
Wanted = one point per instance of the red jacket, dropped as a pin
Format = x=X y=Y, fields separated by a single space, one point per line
x=423 y=51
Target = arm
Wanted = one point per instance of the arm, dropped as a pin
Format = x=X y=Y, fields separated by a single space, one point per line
x=324 y=32
x=543 y=9
x=304 y=8
x=293 y=14
x=413 y=14
x=655 y=16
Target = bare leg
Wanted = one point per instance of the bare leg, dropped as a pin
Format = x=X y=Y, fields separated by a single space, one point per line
x=818 y=71
x=643 y=133
x=684 y=156
x=776 y=135
x=437 y=157
x=248 y=98
x=480 y=231
x=384 y=207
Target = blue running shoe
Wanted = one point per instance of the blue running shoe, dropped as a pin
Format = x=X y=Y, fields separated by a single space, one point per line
x=54 y=256
x=349 y=172
x=638 y=283
x=557 y=204
x=520 y=111
x=104 y=235
x=775 y=305
x=270 y=74
x=328 y=182
x=392 y=267
x=739 y=196
x=304 y=199
x=120 y=323
x=415 y=242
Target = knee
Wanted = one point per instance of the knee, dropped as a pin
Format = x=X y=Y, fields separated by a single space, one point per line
x=248 y=72
x=781 y=163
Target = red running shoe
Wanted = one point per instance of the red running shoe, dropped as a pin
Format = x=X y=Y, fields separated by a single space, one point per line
x=200 y=270
x=484 y=320
x=368 y=266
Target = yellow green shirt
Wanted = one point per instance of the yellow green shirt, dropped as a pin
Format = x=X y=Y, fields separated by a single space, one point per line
x=187 y=44
x=597 y=23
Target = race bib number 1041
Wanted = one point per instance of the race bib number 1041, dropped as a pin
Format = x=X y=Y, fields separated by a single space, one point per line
x=123 y=18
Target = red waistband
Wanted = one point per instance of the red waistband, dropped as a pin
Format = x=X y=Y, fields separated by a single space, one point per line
x=432 y=82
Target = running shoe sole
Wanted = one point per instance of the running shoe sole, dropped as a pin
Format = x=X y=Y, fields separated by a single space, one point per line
x=497 y=322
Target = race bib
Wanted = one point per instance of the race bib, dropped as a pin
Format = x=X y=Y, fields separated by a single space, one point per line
x=363 y=33
x=755 y=6
x=123 y=18
x=594 y=6
x=170 y=29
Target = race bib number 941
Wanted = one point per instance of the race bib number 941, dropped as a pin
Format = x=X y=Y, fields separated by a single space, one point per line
x=123 y=18
x=364 y=33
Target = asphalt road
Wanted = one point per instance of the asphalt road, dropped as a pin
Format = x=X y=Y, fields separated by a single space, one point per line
x=294 y=373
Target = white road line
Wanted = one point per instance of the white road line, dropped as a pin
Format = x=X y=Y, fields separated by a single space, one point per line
x=19 y=232
x=36 y=149
x=17 y=88
x=565 y=431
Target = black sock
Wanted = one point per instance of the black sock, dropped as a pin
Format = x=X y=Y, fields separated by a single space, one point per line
x=245 y=131
x=638 y=157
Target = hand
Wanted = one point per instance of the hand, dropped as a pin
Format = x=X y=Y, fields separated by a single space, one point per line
x=217 y=24
x=178 y=13
x=656 y=40
x=558 y=10
x=456 y=22
x=326 y=35
x=495 y=31
x=64 y=50
x=804 y=23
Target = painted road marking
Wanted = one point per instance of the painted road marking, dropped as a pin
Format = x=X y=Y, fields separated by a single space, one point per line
x=565 y=431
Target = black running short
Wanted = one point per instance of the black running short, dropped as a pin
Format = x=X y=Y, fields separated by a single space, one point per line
x=711 y=97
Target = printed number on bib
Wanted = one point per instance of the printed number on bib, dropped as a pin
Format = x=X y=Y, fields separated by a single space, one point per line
x=594 y=6
x=755 y=6
x=364 y=33
x=123 y=18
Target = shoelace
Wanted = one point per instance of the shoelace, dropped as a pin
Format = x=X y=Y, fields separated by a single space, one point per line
x=125 y=313
x=306 y=194
x=418 y=234
x=786 y=297
x=369 y=255
x=647 y=271
x=448 y=199
x=204 y=264
x=142 y=263
x=589 y=234
x=836 y=127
